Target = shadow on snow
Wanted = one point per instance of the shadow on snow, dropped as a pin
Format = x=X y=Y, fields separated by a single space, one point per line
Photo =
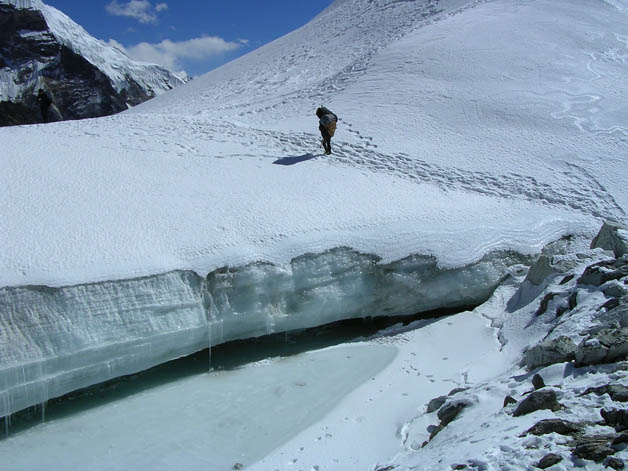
x=294 y=160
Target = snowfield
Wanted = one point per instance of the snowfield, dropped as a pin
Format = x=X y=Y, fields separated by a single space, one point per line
x=474 y=136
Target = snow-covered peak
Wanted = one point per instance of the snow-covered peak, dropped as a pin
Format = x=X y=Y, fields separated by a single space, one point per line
x=111 y=61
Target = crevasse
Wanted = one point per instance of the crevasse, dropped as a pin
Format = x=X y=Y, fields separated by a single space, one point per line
x=57 y=340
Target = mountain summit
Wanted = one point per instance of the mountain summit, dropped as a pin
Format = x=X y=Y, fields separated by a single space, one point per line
x=40 y=47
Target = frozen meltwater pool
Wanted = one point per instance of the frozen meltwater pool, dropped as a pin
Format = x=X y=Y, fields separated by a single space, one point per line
x=201 y=421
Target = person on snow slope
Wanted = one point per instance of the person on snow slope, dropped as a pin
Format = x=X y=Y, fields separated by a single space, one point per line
x=327 y=126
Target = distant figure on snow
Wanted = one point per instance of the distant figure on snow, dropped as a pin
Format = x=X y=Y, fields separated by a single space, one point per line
x=44 y=104
x=327 y=126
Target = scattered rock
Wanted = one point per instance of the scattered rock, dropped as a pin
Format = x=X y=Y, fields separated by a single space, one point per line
x=617 y=392
x=436 y=404
x=593 y=448
x=238 y=466
x=602 y=272
x=538 y=400
x=509 y=400
x=386 y=468
x=458 y=466
x=549 y=352
x=559 y=426
x=614 y=463
x=605 y=346
x=456 y=391
x=450 y=411
x=612 y=236
x=617 y=418
x=549 y=460
x=537 y=381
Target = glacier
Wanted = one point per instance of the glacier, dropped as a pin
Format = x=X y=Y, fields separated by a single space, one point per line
x=57 y=340
x=472 y=134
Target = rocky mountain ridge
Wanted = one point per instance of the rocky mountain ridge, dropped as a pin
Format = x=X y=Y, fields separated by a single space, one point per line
x=40 y=47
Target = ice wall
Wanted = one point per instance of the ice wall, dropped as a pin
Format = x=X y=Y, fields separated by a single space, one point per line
x=57 y=340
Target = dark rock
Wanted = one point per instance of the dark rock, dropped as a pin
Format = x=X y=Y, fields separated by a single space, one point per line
x=549 y=460
x=620 y=439
x=538 y=400
x=509 y=400
x=458 y=466
x=559 y=426
x=545 y=303
x=617 y=418
x=615 y=291
x=537 y=381
x=612 y=236
x=79 y=89
x=456 y=391
x=610 y=304
x=567 y=279
x=450 y=411
x=573 y=300
x=614 y=463
x=605 y=346
x=436 y=404
x=435 y=430
x=549 y=352
x=386 y=468
x=602 y=272
x=594 y=449
x=617 y=392
x=238 y=466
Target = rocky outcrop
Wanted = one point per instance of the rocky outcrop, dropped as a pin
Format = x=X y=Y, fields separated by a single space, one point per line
x=34 y=56
x=614 y=237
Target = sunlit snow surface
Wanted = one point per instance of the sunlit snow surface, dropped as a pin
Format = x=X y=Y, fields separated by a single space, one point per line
x=468 y=129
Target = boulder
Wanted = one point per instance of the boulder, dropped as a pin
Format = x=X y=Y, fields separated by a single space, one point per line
x=549 y=352
x=603 y=272
x=549 y=460
x=593 y=448
x=450 y=410
x=617 y=418
x=559 y=426
x=537 y=381
x=605 y=346
x=615 y=463
x=612 y=236
x=538 y=400
x=436 y=404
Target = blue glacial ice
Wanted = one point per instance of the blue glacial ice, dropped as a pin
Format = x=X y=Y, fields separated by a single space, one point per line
x=56 y=340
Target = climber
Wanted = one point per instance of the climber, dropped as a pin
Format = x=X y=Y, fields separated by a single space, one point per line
x=327 y=126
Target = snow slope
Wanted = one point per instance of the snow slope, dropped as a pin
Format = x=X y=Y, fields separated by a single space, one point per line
x=468 y=129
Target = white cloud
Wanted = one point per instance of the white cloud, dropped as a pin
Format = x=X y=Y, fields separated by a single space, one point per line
x=170 y=54
x=142 y=10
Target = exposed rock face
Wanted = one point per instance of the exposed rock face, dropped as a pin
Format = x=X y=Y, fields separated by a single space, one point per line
x=35 y=55
x=605 y=346
x=613 y=237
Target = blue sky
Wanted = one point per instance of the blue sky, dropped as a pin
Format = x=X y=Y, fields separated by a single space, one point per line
x=191 y=35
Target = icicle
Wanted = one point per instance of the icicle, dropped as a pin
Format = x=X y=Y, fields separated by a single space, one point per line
x=209 y=338
x=43 y=412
